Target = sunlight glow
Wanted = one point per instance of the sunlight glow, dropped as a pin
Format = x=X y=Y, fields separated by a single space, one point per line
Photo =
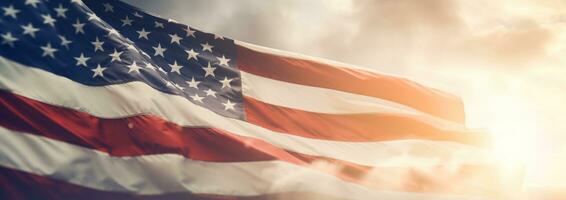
x=514 y=130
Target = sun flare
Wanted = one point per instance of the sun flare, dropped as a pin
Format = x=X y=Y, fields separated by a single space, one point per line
x=514 y=132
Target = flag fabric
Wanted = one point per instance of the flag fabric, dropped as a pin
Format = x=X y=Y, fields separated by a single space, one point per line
x=100 y=100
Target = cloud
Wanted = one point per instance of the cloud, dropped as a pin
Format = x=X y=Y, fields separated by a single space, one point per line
x=389 y=35
x=514 y=45
x=490 y=52
x=392 y=35
x=406 y=33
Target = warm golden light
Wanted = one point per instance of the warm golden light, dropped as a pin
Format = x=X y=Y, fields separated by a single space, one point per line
x=518 y=145
x=514 y=131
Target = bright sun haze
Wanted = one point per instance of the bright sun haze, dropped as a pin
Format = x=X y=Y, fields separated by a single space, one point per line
x=505 y=59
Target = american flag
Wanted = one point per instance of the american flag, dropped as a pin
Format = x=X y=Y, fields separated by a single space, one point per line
x=100 y=100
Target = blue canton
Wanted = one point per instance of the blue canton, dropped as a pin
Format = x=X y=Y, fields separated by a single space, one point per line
x=106 y=42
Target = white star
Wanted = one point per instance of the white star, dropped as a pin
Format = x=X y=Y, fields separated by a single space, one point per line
x=61 y=11
x=159 y=25
x=134 y=68
x=143 y=33
x=179 y=86
x=226 y=82
x=77 y=1
x=136 y=14
x=207 y=47
x=171 y=20
x=209 y=70
x=33 y=3
x=48 y=51
x=190 y=32
x=126 y=21
x=132 y=47
x=223 y=61
x=81 y=60
x=150 y=66
x=196 y=97
x=79 y=27
x=193 y=83
x=228 y=105
x=11 y=11
x=98 y=71
x=47 y=19
x=108 y=7
x=161 y=70
x=169 y=84
x=175 y=67
x=29 y=29
x=97 y=45
x=192 y=54
x=209 y=92
x=92 y=16
x=218 y=37
x=159 y=50
x=112 y=31
x=64 y=41
x=175 y=38
x=116 y=55
x=145 y=54
x=8 y=39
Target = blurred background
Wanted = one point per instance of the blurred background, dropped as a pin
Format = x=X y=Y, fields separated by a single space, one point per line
x=506 y=59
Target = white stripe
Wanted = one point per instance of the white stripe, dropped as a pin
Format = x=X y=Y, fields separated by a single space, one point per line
x=277 y=52
x=315 y=99
x=135 y=98
x=168 y=173
x=322 y=100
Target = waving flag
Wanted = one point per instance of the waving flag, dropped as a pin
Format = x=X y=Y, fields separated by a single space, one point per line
x=101 y=100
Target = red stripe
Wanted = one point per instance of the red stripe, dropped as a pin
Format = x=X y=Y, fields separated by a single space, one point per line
x=147 y=135
x=317 y=74
x=132 y=136
x=141 y=135
x=21 y=185
x=351 y=127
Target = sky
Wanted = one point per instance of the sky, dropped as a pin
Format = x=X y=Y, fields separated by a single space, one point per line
x=506 y=59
